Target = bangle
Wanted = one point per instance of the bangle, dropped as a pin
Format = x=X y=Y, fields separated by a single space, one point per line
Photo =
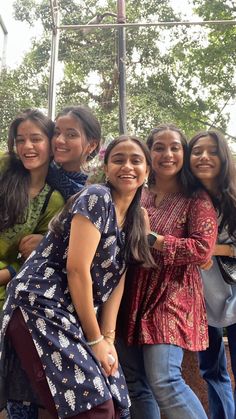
x=11 y=271
x=110 y=332
x=94 y=342
x=110 y=339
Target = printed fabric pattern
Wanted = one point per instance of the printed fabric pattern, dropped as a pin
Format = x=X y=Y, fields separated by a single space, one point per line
x=40 y=289
x=67 y=183
x=166 y=304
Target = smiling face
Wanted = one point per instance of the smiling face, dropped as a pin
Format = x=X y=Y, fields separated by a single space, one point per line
x=126 y=167
x=205 y=163
x=167 y=154
x=69 y=144
x=32 y=146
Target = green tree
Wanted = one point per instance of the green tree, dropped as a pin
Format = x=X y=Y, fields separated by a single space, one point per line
x=179 y=74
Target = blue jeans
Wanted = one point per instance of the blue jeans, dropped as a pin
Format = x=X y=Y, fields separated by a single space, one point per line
x=163 y=370
x=213 y=368
x=143 y=403
x=153 y=372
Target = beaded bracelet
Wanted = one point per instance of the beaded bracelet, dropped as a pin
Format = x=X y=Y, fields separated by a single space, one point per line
x=94 y=342
x=110 y=332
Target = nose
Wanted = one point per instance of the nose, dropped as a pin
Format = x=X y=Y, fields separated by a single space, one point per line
x=204 y=155
x=127 y=165
x=59 y=138
x=168 y=152
x=28 y=143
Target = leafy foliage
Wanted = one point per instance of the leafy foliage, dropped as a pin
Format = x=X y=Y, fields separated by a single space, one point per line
x=178 y=74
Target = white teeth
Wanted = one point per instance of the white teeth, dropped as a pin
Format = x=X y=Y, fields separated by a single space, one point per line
x=30 y=155
x=127 y=177
x=167 y=163
x=61 y=149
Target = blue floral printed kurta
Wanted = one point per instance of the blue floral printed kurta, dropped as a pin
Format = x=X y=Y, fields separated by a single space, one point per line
x=40 y=289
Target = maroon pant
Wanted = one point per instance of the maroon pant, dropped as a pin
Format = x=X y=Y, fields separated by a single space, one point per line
x=24 y=346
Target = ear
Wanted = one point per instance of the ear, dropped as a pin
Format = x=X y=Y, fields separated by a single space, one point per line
x=148 y=171
x=92 y=146
x=105 y=169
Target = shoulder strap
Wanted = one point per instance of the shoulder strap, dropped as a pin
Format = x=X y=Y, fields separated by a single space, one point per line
x=48 y=196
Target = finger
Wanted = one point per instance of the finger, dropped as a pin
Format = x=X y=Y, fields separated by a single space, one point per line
x=106 y=367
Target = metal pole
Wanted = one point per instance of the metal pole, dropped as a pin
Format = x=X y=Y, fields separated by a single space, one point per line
x=151 y=24
x=4 y=49
x=122 y=67
x=54 y=59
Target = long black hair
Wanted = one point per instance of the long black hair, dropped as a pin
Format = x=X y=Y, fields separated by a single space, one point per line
x=136 y=249
x=183 y=176
x=15 y=179
x=225 y=201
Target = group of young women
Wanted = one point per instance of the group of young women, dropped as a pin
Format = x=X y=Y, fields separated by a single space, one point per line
x=142 y=241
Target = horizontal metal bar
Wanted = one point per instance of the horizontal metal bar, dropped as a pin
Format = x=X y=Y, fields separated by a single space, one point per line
x=148 y=24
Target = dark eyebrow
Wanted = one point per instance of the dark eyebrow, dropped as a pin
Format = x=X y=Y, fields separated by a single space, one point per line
x=123 y=154
x=209 y=145
x=163 y=142
x=32 y=134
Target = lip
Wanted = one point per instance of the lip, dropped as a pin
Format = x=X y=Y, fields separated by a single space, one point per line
x=127 y=177
x=61 y=150
x=30 y=156
x=167 y=163
x=204 y=166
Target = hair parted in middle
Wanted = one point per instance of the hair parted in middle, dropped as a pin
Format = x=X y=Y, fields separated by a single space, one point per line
x=136 y=249
x=183 y=173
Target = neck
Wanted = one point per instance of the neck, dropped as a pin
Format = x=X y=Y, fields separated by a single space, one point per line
x=165 y=186
x=211 y=187
x=122 y=204
x=37 y=180
x=72 y=167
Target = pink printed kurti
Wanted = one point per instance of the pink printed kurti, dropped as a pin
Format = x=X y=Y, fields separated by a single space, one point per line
x=166 y=304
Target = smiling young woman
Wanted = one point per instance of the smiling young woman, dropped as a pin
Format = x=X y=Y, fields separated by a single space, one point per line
x=66 y=297
x=163 y=309
x=213 y=167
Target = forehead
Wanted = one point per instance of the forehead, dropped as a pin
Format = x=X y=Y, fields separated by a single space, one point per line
x=206 y=141
x=68 y=122
x=28 y=126
x=127 y=147
x=167 y=137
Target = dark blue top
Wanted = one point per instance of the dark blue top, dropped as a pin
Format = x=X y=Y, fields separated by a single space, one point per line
x=40 y=290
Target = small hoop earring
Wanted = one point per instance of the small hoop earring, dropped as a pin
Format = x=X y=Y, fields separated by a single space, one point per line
x=107 y=179
x=145 y=183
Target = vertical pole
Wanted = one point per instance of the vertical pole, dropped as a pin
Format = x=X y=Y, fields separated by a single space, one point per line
x=4 y=49
x=54 y=59
x=121 y=67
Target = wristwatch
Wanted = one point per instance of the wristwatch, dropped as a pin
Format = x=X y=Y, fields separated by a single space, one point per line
x=151 y=238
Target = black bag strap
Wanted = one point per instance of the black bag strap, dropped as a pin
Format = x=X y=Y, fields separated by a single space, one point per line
x=48 y=196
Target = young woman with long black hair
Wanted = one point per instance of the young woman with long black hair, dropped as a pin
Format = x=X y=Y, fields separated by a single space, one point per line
x=75 y=275
x=213 y=167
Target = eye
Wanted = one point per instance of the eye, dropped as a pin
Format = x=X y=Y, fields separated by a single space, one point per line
x=56 y=133
x=19 y=141
x=36 y=139
x=214 y=152
x=137 y=161
x=175 y=148
x=196 y=152
x=118 y=161
x=158 y=148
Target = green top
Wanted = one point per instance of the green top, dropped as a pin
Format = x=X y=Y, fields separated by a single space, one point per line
x=36 y=223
